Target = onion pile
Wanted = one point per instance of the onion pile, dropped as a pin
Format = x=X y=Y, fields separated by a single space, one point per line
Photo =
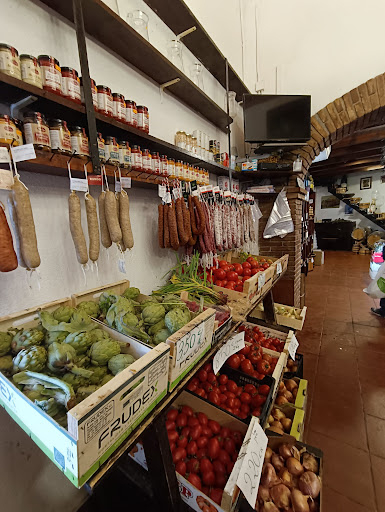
x=287 y=392
x=279 y=422
x=289 y=481
x=291 y=366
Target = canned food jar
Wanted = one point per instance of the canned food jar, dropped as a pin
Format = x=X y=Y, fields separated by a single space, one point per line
x=125 y=154
x=19 y=133
x=30 y=70
x=119 y=106
x=155 y=163
x=7 y=130
x=171 y=168
x=164 y=165
x=112 y=151
x=60 y=137
x=71 y=84
x=131 y=113
x=141 y=118
x=146 y=120
x=181 y=139
x=94 y=93
x=36 y=130
x=179 y=169
x=194 y=145
x=9 y=61
x=79 y=142
x=50 y=73
x=147 y=161
x=105 y=100
x=196 y=174
x=101 y=148
x=188 y=142
x=136 y=155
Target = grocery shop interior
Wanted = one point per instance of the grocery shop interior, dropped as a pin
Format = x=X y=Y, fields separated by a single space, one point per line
x=192 y=256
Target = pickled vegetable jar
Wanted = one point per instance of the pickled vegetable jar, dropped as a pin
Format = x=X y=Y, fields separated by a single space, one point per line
x=36 y=130
x=79 y=142
x=60 y=136
x=71 y=84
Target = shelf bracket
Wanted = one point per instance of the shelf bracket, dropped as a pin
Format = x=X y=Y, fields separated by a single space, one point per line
x=185 y=33
x=25 y=102
x=162 y=87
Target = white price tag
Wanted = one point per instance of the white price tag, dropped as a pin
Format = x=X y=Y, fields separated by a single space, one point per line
x=162 y=191
x=125 y=182
x=279 y=267
x=167 y=198
x=261 y=280
x=6 y=179
x=4 y=156
x=234 y=345
x=251 y=469
x=118 y=186
x=21 y=153
x=175 y=193
x=79 y=184
x=189 y=345
x=122 y=265
x=292 y=348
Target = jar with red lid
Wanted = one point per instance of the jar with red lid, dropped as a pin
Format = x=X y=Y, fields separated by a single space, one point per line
x=50 y=73
x=36 y=131
x=94 y=93
x=112 y=151
x=141 y=118
x=155 y=163
x=60 y=137
x=125 y=154
x=131 y=113
x=119 y=106
x=164 y=165
x=137 y=161
x=70 y=84
x=105 y=100
x=146 y=159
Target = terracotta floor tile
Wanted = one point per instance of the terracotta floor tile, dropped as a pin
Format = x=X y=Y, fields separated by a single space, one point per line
x=333 y=326
x=372 y=375
x=373 y=399
x=378 y=467
x=341 y=339
x=309 y=342
x=333 y=501
x=376 y=435
x=347 y=367
x=338 y=315
x=346 y=470
x=371 y=358
x=364 y=343
x=369 y=331
x=337 y=387
x=338 y=351
x=310 y=362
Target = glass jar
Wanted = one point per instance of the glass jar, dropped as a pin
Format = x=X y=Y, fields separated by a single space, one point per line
x=79 y=142
x=147 y=161
x=70 y=84
x=105 y=100
x=130 y=112
x=181 y=139
x=194 y=145
x=188 y=142
x=94 y=93
x=7 y=130
x=187 y=172
x=207 y=178
x=136 y=158
x=9 y=61
x=179 y=169
x=50 y=73
x=171 y=168
x=101 y=148
x=125 y=154
x=36 y=131
x=146 y=120
x=201 y=177
x=197 y=174
x=155 y=161
x=164 y=165
x=141 y=117
x=112 y=151
x=19 y=133
x=30 y=70
x=119 y=106
x=60 y=137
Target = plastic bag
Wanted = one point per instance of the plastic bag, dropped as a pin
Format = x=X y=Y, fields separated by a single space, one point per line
x=280 y=222
x=376 y=288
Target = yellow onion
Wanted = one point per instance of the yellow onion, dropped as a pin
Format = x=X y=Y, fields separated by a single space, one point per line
x=268 y=454
x=269 y=507
x=285 y=450
x=286 y=423
x=291 y=384
x=309 y=462
x=277 y=461
x=277 y=430
x=286 y=477
x=299 y=501
x=277 y=414
x=280 y=494
x=313 y=506
x=309 y=484
x=294 y=466
x=280 y=400
x=269 y=476
x=263 y=494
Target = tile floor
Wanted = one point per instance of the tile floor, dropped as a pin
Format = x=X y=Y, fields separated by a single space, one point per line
x=344 y=349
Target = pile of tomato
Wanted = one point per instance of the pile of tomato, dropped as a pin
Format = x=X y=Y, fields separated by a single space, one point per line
x=256 y=336
x=242 y=401
x=202 y=450
x=233 y=275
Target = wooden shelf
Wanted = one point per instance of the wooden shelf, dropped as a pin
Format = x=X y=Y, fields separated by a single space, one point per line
x=178 y=17
x=113 y=32
x=13 y=90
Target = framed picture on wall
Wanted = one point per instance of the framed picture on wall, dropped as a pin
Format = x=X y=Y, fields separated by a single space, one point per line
x=365 y=183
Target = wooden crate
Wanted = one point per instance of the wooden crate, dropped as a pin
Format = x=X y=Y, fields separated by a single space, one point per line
x=293 y=323
x=93 y=295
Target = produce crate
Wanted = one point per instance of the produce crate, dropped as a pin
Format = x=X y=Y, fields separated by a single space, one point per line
x=299 y=372
x=301 y=398
x=270 y=332
x=190 y=494
x=101 y=422
x=94 y=294
x=298 y=421
x=293 y=323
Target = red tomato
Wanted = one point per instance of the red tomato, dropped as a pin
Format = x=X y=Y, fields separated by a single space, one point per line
x=254 y=357
x=223 y=379
x=202 y=441
x=219 y=283
x=195 y=481
x=181 y=467
x=232 y=386
x=238 y=269
x=231 y=276
x=192 y=448
x=196 y=432
x=178 y=454
x=185 y=431
x=254 y=271
x=245 y=398
x=207 y=387
x=214 y=427
x=211 y=378
x=224 y=283
x=223 y=457
x=239 y=288
x=220 y=480
x=170 y=425
x=245 y=408
x=256 y=412
x=254 y=264
x=258 y=400
x=214 y=398
x=250 y=388
x=225 y=432
x=239 y=391
x=193 y=466
x=182 y=442
x=246 y=349
x=245 y=278
x=206 y=431
x=264 y=389
x=222 y=398
x=230 y=285
x=191 y=387
x=219 y=274
x=234 y=362
x=247 y=367
x=229 y=394
x=213 y=448
x=200 y=392
x=172 y=447
x=202 y=375
x=263 y=366
x=222 y=387
x=192 y=422
x=247 y=263
x=208 y=478
x=206 y=465
x=229 y=445
x=172 y=414
x=216 y=495
x=202 y=418
x=201 y=453
x=172 y=436
x=230 y=403
x=247 y=272
x=237 y=404
x=242 y=328
x=223 y=263
x=187 y=410
x=237 y=436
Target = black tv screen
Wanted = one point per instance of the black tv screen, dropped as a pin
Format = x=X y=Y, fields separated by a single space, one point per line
x=276 y=118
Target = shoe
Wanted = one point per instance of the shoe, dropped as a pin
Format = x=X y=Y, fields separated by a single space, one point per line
x=378 y=312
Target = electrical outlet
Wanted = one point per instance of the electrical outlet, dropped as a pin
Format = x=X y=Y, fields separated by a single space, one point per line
x=260 y=87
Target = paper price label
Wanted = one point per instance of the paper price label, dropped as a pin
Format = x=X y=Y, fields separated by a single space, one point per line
x=6 y=179
x=162 y=190
x=126 y=182
x=122 y=266
x=234 y=345
x=251 y=469
x=189 y=345
x=167 y=198
x=176 y=193
x=79 y=184
x=4 y=156
x=279 y=267
x=118 y=186
x=94 y=180
x=261 y=280
x=292 y=348
x=22 y=153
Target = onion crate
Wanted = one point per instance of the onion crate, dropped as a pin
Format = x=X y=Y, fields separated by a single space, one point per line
x=301 y=398
x=290 y=373
x=288 y=321
x=102 y=421
x=297 y=417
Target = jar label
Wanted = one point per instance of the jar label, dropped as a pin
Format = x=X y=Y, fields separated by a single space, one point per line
x=60 y=140
x=155 y=166
x=140 y=120
x=147 y=165
x=119 y=110
x=7 y=132
x=30 y=73
x=104 y=103
x=80 y=145
x=9 y=64
x=112 y=153
x=51 y=77
x=36 y=134
x=102 y=150
x=137 y=160
x=125 y=157
x=71 y=87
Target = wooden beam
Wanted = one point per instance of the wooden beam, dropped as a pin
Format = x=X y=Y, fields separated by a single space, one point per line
x=345 y=170
x=369 y=135
x=333 y=165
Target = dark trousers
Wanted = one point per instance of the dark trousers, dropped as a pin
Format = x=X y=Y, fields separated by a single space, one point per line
x=382 y=306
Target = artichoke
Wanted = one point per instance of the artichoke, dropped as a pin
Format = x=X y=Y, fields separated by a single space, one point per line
x=106 y=300
x=124 y=347
x=149 y=302
x=34 y=392
x=76 y=380
x=61 y=391
x=106 y=379
x=120 y=308
x=62 y=357
x=102 y=351
x=161 y=336
x=54 y=336
x=63 y=313
x=6 y=364
x=89 y=307
x=32 y=358
x=50 y=406
x=98 y=334
x=153 y=313
x=171 y=301
x=156 y=327
x=80 y=341
x=134 y=332
x=98 y=373
x=176 y=319
x=118 y=363
x=26 y=338
x=131 y=293
x=80 y=321
x=85 y=391
x=5 y=343
x=129 y=319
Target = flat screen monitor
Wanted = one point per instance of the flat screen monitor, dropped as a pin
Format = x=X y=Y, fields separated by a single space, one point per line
x=276 y=118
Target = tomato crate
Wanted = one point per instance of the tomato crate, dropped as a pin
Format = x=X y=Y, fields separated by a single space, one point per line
x=299 y=372
x=287 y=321
x=100 y=423
x=271 y=332
x=297 y=417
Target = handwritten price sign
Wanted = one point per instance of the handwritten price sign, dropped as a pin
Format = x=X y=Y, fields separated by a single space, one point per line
x=189 y=345
x=292 y=348
x=261 y=280
x=279 y=267
x=251 y=469
x=234 y=345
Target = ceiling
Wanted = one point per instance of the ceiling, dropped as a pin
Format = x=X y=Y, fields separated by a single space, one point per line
x=361 y=151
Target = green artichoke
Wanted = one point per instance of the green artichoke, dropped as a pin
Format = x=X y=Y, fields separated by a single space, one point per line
x=62 y=357
x=33 y=358
x=75 y=380
x=26 y=338
x=89 y=307
x=80 y=341
x=153 y=314
x=98 y=373
x=98 y=334
x=119 y=309
x=106 y=379
x=118 y=363
x=85 y=391
x=34 y=393
x=63 y=313
x=5 y=343
x=50 y=406
x=102 y=351
x=129 y=319
x=131 y=293
x=106 y=300
x=156 y=327
x=149 y=302
x=176 y=319
x=6 y=364
x=134 y=332
x=61 y=391
x=171 y=301
x=124 y=347
x=80 y=321
x=55 y=336
x=161 y=336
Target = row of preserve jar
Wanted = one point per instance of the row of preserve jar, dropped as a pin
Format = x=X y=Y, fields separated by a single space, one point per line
x=45 y=72
x=55 y=136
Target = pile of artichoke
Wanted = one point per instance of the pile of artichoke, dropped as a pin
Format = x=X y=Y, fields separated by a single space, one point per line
x=64 y=359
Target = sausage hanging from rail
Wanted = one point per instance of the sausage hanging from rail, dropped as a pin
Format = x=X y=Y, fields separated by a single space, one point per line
x=8 y=258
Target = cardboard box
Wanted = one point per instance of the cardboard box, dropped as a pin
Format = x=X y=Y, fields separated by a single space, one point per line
x=293 y=323
x=101 y=422
x=319 y=257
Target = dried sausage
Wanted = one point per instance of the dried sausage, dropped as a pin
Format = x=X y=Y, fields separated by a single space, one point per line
x=124 y=217
x=192 y=215
x=8 y=258
x=93 y=227
x=166 y=228
x=110 y=204
x=161 y=225
x=15 y=229
x=172 y=226
x=201 y=215
x=76 y=228
x=187 y=224
x=105 y=235
x=183 y=238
